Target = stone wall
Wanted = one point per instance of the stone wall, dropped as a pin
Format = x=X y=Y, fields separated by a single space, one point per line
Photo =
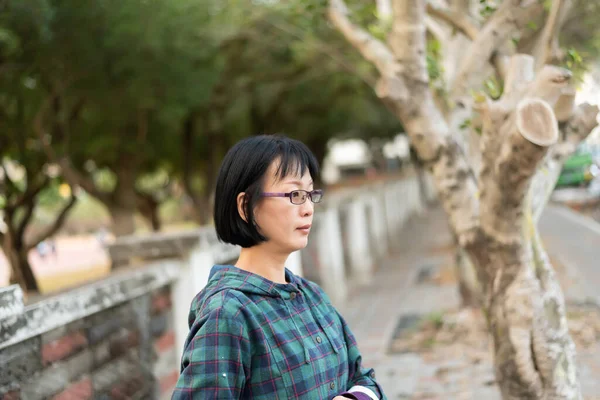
x=111 y=340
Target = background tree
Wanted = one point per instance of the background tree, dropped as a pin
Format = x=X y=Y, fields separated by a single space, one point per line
x=283 y=72
x=25 y=174
x=148 y=96
x=118 y=89
x=484 y=131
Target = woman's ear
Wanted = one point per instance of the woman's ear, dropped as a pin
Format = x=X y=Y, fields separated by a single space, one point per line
x=241 y=206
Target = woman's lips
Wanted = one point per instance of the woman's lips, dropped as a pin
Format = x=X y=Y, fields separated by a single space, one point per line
x=304 y=228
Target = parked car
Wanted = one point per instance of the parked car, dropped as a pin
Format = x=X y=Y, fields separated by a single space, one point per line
x=579 y=170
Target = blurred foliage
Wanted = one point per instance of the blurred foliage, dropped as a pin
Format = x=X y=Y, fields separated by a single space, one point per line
x=162 y=89
x=117 y=85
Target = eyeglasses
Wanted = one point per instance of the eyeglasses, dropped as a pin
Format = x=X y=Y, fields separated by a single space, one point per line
x=298 y=197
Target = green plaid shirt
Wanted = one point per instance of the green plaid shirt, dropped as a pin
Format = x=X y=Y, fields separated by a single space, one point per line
x=251 y=338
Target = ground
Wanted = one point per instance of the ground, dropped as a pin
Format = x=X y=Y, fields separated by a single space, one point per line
x=411 y=330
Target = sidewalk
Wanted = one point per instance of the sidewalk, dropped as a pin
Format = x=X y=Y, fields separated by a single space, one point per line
x=404 y=286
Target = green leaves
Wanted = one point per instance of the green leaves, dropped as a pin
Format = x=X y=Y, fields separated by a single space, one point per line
x=493 y=88
x=465 y=124
x=487 y=8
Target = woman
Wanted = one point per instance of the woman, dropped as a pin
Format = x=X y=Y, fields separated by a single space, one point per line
x=257 y=331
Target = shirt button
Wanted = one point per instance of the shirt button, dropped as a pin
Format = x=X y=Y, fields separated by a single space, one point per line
x=318 y=339
x=332 y=386
x=373 y=374
x=293 y=295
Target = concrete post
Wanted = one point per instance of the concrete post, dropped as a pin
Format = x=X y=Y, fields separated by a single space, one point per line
x=331 y=255
x=361 y=260
x=195 y=269
x=403 y=204
x=378 y=225
x=294 y=263
x=391 y=209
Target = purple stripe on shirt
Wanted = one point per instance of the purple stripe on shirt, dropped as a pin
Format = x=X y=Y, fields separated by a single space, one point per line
x=356 y=395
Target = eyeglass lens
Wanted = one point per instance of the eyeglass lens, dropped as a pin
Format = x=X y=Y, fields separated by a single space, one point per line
x=299 y=196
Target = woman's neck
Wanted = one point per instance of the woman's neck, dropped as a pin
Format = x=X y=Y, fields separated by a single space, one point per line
x=265 y=263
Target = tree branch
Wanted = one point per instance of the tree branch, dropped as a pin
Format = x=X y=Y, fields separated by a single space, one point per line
x=547 y=48
x=372 y=49
x=520 y=73
x=550 y=84
x=576 y=129
x=524 y=140
x=56 y=225
x=32 y=191
x=28 y=202
x=553 y=348
x=10 y=185
x=71 y=175
x=456 y=19
x=325 y=49
x=436 y=30
x=408 y=42
x=581 y=124
x=510 y=18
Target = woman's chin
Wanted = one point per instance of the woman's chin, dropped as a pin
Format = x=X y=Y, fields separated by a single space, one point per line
x=298 y=244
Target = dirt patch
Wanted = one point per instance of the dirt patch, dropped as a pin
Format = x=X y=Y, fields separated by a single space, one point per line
x=466 y=332
x=445 y=274
x=442 y=329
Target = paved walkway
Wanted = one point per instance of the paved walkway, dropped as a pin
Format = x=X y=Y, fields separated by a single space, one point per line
x=373 y=312
x=574 y=240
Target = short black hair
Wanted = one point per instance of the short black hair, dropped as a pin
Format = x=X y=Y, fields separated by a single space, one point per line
x=243 y=170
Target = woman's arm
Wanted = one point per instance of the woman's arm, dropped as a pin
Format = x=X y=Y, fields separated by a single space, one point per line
x=362 y=384
x=216 y=357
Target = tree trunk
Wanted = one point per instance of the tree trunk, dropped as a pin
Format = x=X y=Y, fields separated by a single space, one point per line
x=318 y=145
x=20 y=269
x=202 y=209
x=469 y=288
x=420 y=171
x=122 y=203
x=149 y=207
x=490 y=211
x=123 y=220
x=200 y=199
x=154 y=218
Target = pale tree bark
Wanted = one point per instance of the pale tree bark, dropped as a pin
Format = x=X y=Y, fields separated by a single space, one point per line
x=457 y=18
x=490 y=207
x=547 y=49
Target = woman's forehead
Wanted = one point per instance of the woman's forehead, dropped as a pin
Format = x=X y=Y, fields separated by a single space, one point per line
x=293 y=172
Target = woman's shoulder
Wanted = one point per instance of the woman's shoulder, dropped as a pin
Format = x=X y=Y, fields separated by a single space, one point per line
x=226 y=302
x=314 y=290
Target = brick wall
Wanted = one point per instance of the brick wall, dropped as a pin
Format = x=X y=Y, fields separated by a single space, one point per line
x=124 y=351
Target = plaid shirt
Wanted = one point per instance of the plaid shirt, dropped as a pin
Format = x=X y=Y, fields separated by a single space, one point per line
x=251 y=338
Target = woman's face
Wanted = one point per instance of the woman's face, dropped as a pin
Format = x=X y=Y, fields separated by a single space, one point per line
x=285 y=225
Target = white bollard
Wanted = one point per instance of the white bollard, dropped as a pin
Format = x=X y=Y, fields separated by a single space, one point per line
x=331 y=255
x=361 y=260
x=193 y=277
x=294 y=263
x=397 y=204
x=391 y=212
x=378 y=230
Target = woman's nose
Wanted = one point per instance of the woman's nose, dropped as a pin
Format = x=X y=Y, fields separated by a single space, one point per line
x=307 y=208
